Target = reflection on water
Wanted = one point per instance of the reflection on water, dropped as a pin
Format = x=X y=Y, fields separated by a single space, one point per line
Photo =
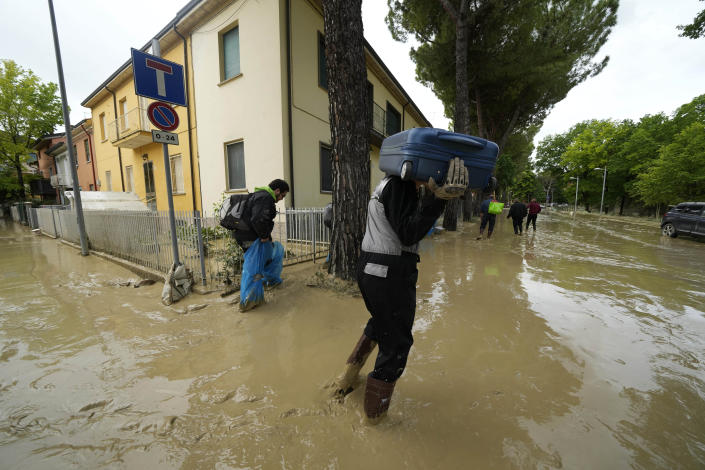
x=580 y=345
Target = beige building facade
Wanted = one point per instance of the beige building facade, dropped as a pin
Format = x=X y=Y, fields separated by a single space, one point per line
x=258 y=108
x=243 y=118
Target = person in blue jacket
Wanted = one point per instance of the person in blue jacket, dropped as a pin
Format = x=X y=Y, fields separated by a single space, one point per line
x=487 y=219
x=399 y=215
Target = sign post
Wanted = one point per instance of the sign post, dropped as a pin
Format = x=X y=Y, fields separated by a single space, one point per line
x=161 y=80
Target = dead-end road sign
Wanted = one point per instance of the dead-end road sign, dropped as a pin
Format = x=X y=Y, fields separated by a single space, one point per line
x=158 y=78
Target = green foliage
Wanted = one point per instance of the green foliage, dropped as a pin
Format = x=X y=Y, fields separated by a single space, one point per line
x=523 y=55
x=696 y=29
x=528 y=187
x=658 y=160
x=28 y=110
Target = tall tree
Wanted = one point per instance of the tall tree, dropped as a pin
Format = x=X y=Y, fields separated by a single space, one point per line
x=523 y=55
x=28 y=110
x=347 y=95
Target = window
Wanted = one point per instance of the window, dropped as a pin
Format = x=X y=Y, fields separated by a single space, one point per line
x=177 y=174
x=230 y=53
x=87 y=149
x=130 y=177
x=235 y=154
x=91 y=187
x=322 y=71
x=326 y=169
x=123 y=114
x=108 y=182
x=101 y=119
x=393 y=120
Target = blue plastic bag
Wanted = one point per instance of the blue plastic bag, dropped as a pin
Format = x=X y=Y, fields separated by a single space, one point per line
x=262 y=265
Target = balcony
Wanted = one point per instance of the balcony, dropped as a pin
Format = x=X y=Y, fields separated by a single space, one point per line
x=60 y=180
x=131 y=130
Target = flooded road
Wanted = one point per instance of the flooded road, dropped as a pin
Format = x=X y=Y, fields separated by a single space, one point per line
x=581 y=345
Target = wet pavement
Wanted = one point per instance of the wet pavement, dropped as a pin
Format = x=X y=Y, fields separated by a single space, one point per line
x=580 y=345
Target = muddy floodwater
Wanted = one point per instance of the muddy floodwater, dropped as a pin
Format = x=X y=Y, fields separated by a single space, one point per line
x=581 y=345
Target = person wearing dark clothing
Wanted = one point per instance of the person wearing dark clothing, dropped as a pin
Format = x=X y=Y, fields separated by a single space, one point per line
x=534 y=209
x=487 y=219
x=517 y=212
x=259 y=214
x=399 y=215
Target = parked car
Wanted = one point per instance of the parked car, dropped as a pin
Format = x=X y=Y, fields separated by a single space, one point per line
x=686 y=218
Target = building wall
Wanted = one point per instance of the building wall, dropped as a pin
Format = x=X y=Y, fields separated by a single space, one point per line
x=247 y=107
x=311 y=123
x=108 y=159
x=85 y=165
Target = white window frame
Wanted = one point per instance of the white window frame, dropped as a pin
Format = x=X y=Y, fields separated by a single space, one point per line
x=227 y=166
x=130 y=179
x=177 y=174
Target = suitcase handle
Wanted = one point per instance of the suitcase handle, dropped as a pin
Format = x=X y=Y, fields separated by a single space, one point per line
x=460 y=139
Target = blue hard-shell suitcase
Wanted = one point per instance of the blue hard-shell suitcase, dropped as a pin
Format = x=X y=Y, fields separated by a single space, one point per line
x=424 y=152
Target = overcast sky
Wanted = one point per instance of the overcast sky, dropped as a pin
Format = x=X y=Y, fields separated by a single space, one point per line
x=651 y=68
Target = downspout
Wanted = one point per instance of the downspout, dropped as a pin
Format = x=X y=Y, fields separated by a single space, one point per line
x=188 y=119
x=117 y=134
x=92 y=155
x=288 y=90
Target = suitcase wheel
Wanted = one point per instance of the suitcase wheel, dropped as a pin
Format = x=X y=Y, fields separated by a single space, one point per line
x=406 y=171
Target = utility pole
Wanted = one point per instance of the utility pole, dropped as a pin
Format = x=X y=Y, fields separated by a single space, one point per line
x=69 y=140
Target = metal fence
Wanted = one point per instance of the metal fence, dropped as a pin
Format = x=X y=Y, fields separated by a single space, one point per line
x=206 y=248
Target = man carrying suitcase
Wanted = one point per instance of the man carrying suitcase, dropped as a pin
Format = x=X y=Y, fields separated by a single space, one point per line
x=399 y=215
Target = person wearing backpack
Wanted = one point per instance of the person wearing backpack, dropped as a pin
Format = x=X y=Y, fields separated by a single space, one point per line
x=259 y=213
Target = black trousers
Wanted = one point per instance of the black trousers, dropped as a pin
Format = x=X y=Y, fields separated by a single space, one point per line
x=487 y=219
x=531 y=219
x=390 y=297
x=517 y=222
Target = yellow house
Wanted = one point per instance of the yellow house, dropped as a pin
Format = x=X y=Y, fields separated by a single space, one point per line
x=258 y=101
x=262 y=102
x=126 y=158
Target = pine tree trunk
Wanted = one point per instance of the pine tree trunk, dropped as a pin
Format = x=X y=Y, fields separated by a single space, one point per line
x=20 y=178
x=461 y=113
x=347 y=95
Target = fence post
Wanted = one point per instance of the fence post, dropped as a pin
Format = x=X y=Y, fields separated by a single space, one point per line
x=53 y=220
x=313 y=234
x=201 y=254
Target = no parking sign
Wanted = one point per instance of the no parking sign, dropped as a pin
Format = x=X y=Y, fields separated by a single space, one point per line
x=163 y=116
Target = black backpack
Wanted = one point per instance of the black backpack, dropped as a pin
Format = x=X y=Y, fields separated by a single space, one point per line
x=233 y=210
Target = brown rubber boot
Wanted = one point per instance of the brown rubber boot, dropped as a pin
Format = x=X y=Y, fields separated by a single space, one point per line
x=354 y=364
x=378 y=395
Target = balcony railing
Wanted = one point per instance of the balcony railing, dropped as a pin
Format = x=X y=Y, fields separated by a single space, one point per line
x=131 y=130
x=60 y=179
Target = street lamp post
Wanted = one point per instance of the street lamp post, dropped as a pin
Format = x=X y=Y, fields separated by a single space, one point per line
x=604 y=178
x=577 y=185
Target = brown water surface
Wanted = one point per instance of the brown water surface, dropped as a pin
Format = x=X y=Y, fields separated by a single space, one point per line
x=581 y=345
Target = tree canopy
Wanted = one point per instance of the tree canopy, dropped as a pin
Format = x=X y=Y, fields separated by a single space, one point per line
x=29 y=109
x=696 y=29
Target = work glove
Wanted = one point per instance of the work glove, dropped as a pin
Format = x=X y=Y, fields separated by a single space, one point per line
x=456 y=181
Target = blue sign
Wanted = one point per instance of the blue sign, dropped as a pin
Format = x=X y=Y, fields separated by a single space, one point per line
x=158 y=78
